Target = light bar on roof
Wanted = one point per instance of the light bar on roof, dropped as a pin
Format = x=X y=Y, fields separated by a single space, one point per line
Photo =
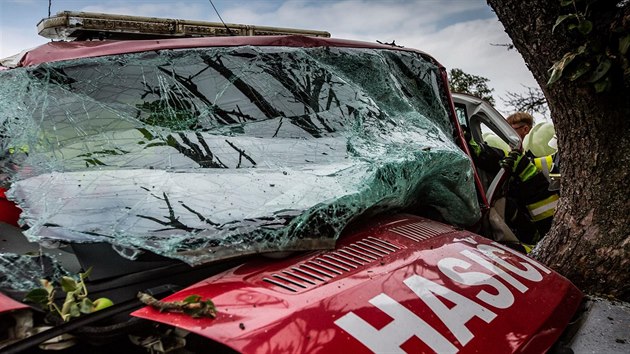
x=69 y=25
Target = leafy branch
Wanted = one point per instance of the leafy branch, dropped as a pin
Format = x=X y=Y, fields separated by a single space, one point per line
x=460 y=81
x=595 y=61
x=76 y=301
x=192 y=305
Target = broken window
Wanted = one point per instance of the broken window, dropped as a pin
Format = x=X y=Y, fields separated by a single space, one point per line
x=203 y=154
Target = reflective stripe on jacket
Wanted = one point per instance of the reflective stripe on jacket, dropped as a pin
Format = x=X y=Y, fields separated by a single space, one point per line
x=543 y=209
x=544 y=164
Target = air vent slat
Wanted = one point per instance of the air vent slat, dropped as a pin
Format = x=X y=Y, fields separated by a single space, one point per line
x=308 y=273
x=332 y=264
x=368 y=253
x=282 y=285
x=382 y=243
x=348 y=260
x=317 y=270
x=329 y=265
x=421 y=231
x=299 y=277
x=374 y=249
x=352 y=254
x=325 y=267
x=278 y=276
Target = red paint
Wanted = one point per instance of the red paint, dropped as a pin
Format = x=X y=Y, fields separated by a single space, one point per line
x=276 y=320
x=8 y=304
x=58 y=51
x=9 y=212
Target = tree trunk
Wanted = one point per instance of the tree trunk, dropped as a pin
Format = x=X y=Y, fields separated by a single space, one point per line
x=589 y=242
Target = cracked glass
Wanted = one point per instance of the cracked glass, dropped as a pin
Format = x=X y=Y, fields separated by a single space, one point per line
x=209 y=153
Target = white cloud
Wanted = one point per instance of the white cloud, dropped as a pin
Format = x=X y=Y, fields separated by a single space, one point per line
x=465 y=45
x=450 y=30
x=353 y=16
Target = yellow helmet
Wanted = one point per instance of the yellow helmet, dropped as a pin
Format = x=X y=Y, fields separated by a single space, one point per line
x=537 y=141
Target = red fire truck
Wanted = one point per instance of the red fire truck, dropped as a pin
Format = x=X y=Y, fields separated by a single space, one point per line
x=319 y=192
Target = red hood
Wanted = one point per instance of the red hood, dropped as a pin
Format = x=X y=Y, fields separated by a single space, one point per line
x=406 y=283
x=7 y=304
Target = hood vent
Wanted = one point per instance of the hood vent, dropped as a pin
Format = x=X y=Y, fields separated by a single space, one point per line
x=329 y=265
x=421 y=231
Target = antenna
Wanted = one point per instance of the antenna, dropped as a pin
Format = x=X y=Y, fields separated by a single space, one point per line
x=215 y=10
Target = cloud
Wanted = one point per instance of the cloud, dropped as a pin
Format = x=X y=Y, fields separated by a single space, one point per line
x=465 y=44
x=457 y=33
x=353 y=16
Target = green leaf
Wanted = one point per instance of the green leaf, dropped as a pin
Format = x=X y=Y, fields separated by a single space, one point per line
x=561 y=19
x=85 y=274
x=65 y=309
x=556 y=74
x=46 y=284
x=582 y=68
x=601 y=70
x=74 y=310
x=582 y=49
x=566 y=2
x=624 y=43
x=585 y=27
x=38 y=296
x=602 y=85
x=86 y=306
x=558 y=67
x=68 y=284
x=192 y=298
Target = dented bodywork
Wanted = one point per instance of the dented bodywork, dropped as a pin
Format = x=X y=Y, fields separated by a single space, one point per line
x=403 y=284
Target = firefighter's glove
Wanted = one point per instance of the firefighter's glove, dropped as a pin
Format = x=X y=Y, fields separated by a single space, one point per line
x=519 y=165
x=511 y=161
x=474 y=147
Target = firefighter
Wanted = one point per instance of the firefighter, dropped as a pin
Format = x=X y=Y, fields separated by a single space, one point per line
x=530 y=189
x=549 y=165
x=530 y=202
x=536 y=143
x=521 y=122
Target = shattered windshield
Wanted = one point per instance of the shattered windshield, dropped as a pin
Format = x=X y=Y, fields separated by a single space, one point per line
x=203 y=154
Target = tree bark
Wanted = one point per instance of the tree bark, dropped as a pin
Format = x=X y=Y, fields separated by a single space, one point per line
x=589 y=242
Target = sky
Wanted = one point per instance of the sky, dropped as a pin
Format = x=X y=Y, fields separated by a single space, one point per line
x=458 y=33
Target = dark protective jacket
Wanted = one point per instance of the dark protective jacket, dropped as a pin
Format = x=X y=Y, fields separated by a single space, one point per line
x=530 y=202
